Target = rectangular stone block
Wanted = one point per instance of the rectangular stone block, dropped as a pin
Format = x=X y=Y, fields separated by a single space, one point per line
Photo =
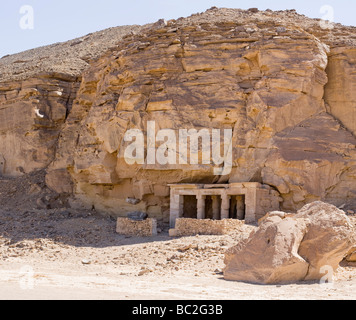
x=161 y=191
x=127 y=227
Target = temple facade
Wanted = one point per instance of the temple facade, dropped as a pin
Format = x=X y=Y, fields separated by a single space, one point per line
x=248 y=201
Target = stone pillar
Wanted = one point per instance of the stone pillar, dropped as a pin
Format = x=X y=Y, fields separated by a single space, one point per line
x=200 y=207
x=216 y=207
x=176 y=207
x=251 y=205
x=225 y=206
x=240 y=207
x=181 y=206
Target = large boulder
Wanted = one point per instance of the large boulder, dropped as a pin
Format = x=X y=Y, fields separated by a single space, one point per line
x=328 y=239
x=292 y=247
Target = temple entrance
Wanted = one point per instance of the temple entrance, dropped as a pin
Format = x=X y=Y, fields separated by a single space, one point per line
x=190 y=207
x=212 y=206
x=238 y=207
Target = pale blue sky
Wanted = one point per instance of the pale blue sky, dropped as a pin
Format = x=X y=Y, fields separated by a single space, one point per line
x=56 y=21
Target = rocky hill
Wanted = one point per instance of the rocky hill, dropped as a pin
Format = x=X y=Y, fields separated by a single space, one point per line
x=285 y=84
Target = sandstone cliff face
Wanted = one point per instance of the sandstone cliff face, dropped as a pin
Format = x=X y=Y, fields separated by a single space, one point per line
x=37 y=89
x=282 y=83
x=32 y=114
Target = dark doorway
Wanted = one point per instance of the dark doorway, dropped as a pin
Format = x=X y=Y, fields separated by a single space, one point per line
x=190 y=207
x=238 y=207
x=208 y=208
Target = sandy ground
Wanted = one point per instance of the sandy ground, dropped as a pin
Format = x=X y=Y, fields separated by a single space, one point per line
x=61 y=254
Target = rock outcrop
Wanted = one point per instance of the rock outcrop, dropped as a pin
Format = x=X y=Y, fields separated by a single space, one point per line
x=292 y=247
x=282 y=82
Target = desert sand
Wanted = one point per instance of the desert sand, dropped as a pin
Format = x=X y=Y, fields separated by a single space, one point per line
x=64 y=254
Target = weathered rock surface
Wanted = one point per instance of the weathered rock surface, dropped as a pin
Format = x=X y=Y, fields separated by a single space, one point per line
x=292 y=247
x=329 y=236
x=282 y=82
x=351 y=255
x=37 y=89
